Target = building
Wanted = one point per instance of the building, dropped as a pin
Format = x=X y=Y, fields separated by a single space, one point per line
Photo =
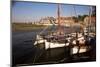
x=87 y=20
x=65 y=20
x=90 y=24
x=52 y=20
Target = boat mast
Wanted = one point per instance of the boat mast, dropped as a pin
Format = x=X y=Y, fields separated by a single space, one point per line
x=89 y=23
x=58 y=14
x=90 y=16
x=59 y=21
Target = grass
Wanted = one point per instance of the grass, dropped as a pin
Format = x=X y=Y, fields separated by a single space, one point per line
x=25 y=27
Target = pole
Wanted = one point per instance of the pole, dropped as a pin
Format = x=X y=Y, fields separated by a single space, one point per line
x=59 y=24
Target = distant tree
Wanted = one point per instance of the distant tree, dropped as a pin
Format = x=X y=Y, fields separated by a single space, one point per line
x=75 y=19
x=81 y=17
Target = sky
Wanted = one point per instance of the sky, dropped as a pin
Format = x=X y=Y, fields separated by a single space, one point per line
x=22 y=11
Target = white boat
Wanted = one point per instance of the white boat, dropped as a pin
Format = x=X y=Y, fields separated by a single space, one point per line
x=57 y=40
x=55 y=44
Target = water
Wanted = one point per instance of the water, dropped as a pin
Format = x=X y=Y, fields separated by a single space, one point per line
x=23 y=49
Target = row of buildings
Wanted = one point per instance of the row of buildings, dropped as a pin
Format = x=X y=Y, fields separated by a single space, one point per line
x=65 y=21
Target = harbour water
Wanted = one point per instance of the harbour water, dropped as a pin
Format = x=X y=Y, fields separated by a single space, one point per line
x=24 y=51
